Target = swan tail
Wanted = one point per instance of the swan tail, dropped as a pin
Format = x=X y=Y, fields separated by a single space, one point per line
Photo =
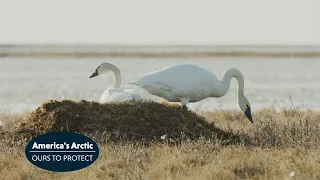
x=133 y=83
x=137 y=83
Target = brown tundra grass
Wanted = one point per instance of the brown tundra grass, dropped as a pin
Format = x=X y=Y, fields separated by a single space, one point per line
x=221 y=144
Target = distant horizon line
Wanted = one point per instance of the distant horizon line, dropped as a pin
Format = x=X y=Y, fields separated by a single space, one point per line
x=152 y=45
x=186 y=50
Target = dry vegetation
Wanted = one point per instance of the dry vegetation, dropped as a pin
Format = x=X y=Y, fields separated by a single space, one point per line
x=217 y=145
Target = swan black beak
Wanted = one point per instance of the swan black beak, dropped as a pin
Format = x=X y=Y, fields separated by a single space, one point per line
x=248 y=114
x=94 y=74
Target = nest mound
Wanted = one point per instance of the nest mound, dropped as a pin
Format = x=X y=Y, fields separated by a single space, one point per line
x=130 y=121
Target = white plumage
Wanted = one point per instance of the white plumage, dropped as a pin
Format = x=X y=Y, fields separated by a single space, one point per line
x=190 y=83
x=114 y=93
x=119 y=95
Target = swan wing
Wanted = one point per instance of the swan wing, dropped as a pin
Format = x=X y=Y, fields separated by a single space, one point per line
x=136 y=96
x=178 y=74
x=179 y=80
x=115 y=95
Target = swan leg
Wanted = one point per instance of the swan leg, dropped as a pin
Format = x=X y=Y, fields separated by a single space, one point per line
x=184 y=102
x=184 y=109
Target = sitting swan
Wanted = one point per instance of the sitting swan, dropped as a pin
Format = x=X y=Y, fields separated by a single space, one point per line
x=190 y=83
x=114 y=94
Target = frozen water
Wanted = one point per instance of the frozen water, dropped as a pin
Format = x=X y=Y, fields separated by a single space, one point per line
x=26 y=83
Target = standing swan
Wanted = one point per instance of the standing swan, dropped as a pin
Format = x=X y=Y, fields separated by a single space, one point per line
x=190 y=83
x=114 y=94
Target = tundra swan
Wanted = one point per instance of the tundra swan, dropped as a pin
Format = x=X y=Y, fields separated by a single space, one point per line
x=190 y=83
x=114 y=94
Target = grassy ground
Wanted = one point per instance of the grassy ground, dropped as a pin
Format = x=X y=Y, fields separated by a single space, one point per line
x=281 y=144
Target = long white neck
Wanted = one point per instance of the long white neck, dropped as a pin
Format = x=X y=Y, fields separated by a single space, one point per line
x=117 y=76
x=226 y=80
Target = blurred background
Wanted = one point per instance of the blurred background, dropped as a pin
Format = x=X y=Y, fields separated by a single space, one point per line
x=48 y=49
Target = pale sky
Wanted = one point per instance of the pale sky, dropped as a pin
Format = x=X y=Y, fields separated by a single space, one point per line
x=160 y=22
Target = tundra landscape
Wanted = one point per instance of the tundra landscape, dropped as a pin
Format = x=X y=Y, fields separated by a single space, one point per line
x=149 y=140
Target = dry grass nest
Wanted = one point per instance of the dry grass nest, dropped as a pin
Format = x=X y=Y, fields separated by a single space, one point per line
x=129 y=121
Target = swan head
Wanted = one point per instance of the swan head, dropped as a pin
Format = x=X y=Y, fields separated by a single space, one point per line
x=102 y=69
x=245 y=107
